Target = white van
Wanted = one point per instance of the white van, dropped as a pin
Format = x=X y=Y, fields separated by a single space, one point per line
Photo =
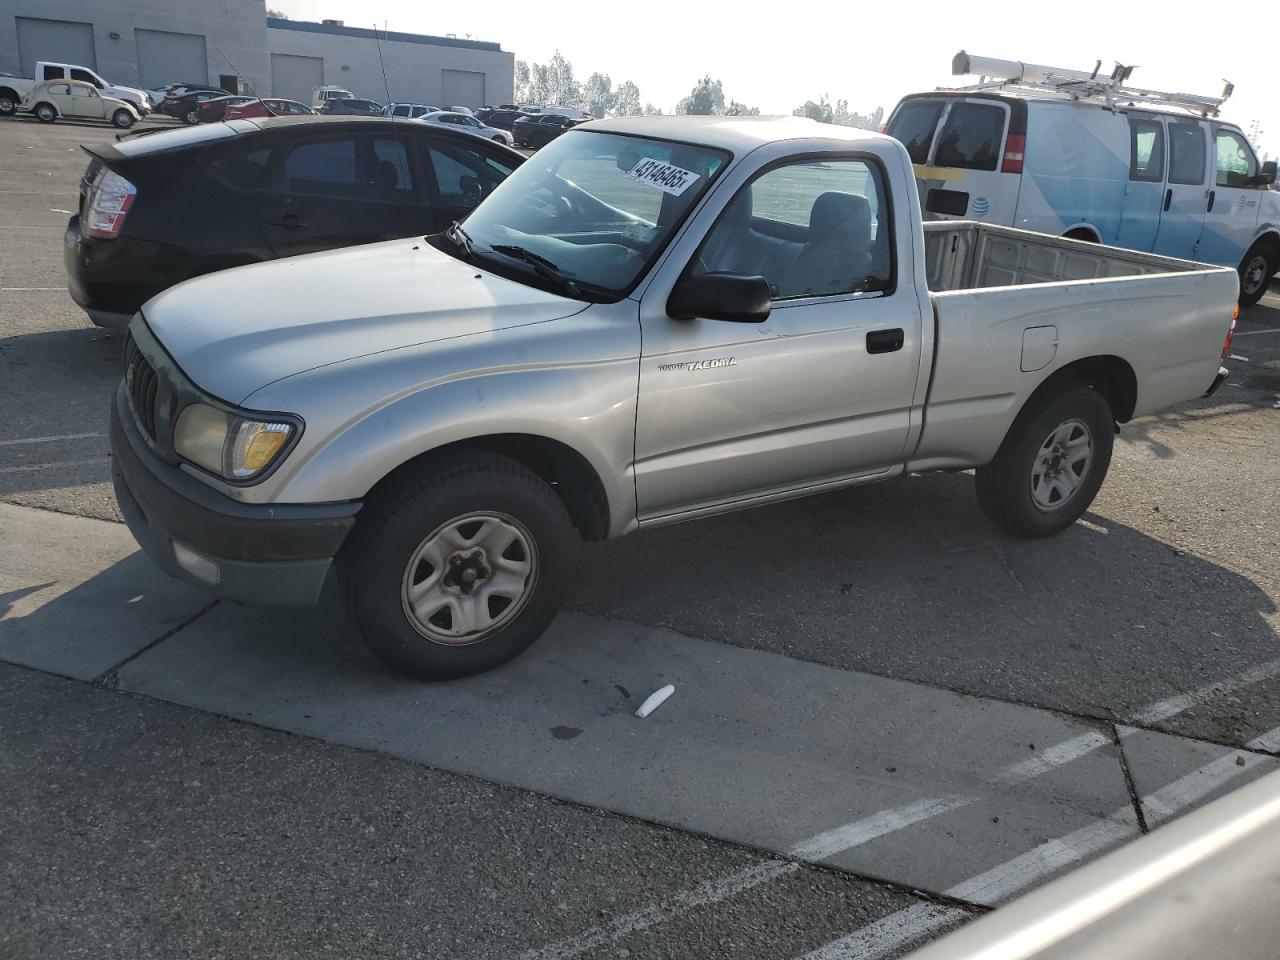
x=322 y=95
x=1068 y=153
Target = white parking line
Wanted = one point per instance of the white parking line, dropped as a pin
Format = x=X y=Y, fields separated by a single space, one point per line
x=66 y=436
x=846 y=837
x=1001 y=882
x=20 y=289
x=56 y=465
x=1254 y=333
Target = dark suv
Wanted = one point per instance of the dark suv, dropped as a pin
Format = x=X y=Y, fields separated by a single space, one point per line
x=159 y=209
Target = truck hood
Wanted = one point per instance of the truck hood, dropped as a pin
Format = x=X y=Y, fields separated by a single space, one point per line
x=236 y=331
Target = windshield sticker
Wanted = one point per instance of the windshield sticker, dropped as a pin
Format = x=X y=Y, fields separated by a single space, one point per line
x=665 y=176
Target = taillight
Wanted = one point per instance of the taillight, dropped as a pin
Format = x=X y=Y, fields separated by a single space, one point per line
x=1014 y=145
x=110 y=197
x=1231 y=330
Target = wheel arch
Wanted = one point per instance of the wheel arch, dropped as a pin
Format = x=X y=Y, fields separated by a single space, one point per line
x=1083 y=231
x=11 y=93
x=1111 y=376
x=574 y=480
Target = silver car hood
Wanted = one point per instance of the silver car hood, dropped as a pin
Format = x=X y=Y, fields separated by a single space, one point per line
x=236 y=331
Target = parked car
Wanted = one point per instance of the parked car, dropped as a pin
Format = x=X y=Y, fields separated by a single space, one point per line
x=261 y=189
x=467 y=124
x=708 y=314
x=175 y=90
x=212 y=111
x=410 y=110
x=78 y=100
x=1145 y=170
x=270 y=107
x=187 y=107
x=457 y=108
x=322 y=95
x=15 y=89
x=501 y=117
x=537 y=130
x=176 y=102
x=351 y=107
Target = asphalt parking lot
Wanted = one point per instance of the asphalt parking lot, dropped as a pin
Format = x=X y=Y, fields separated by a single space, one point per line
x=888 y=718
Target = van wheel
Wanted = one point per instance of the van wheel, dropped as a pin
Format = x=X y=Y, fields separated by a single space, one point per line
x=459 y=569
x=1051 y=464
x=45 y=113
x=123 y=119
x=1256 y=270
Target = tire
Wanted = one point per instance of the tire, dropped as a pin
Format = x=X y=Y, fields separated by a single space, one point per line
x=1029 y=490
x=8 y=105
x=46 y=113
x=437 y=539
x=191 y=118
x=122 y=118
x=1256 y=270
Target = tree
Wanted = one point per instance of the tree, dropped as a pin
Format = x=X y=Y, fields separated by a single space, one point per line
x=277 y=14
x=598 y=97
x=820 y=111
x=522 y=82
x=562 y=89
x=824 y=112
x=539 y=85
x=706 y=97
x=626 y=100
x=651 y=111
x=736 y=109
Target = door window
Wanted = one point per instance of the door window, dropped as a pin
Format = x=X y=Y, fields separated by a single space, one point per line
x=913 y=125
x=814 y=228
x=1186 y=153
x=1235 y=161
x=457 y=169
x=1146 y=150
x=79 y=91
x=354 y=168
x=970 y=138
x=86 y=76
x=59 y=90
x=400 y=110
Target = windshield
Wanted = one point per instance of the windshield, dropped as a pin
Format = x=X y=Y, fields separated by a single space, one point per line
x=597 y=208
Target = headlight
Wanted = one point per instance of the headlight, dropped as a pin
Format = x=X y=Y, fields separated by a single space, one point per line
x=234 y=447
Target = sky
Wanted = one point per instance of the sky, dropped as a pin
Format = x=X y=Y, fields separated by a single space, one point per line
x=870 y=54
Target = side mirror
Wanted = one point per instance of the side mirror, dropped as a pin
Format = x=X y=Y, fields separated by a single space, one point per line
x=470 y=188
x=1268 y=175
x=720 y=296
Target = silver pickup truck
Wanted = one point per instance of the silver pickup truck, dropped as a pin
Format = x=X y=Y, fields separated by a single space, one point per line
x=652 y=320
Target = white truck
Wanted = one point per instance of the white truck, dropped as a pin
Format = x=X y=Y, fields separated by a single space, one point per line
x=651 y=320
x=14 y=89
x=1087 y=155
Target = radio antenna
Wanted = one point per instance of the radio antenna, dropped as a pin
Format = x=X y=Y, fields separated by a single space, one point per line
x=245 y=80
x=385 y=83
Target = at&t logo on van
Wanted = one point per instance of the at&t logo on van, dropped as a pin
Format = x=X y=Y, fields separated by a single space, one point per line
x=980 y=206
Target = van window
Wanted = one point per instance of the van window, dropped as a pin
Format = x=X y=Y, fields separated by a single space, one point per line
x=913 y=126
x=1186 y=153
x=1146 y=150
x=971 y=137
x=1235 y=160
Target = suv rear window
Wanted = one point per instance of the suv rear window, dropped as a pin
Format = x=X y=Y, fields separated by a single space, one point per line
x=971 y=137
x=913 y=126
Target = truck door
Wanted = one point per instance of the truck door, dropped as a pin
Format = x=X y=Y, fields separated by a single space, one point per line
x=1231 y=210
x=823 y=389
x=1186 y=190
x=1145 y=190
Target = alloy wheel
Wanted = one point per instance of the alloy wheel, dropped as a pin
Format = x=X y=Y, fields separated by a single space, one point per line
x=1061 y=465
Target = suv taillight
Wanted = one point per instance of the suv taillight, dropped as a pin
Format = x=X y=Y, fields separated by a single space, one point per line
x=1014 y=146
x=110 y=197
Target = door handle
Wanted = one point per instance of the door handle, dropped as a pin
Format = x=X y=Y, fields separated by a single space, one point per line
x=885 y=341
x=1168 y=198
x=289 y=221
x=1212 y=194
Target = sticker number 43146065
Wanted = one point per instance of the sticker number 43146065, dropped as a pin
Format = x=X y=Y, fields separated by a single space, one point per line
x=665 y=176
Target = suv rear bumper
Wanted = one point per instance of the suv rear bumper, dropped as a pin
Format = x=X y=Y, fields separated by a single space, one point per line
x=255 y=553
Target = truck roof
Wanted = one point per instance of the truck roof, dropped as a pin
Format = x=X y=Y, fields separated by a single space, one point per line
x=736 y=134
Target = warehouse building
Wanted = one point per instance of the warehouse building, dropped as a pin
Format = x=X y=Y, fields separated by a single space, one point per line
x=148 y=43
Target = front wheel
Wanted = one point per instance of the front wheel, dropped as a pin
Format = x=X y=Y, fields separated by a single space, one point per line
x=460 y=569
x=1256 y=271
x=45 y=113
x=191 y=118
x=1051 y=464
x=8 y=105
x=122 y=119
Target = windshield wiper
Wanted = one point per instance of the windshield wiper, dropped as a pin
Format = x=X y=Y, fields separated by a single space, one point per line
x=459 y=238
x=541 y=266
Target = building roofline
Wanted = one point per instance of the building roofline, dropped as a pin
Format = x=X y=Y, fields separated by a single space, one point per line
x=307 y=26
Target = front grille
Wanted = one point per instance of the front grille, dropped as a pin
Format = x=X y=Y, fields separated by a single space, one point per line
x=143 y=384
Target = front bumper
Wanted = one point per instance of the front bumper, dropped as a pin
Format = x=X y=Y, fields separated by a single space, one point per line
x=255 y=553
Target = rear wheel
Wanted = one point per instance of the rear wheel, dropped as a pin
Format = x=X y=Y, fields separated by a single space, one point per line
x=460 y=569
x=8 y=105
x=191 y=118
x=45 y=113
x=122 y=118
x=1051 y=464
x=1256 y=271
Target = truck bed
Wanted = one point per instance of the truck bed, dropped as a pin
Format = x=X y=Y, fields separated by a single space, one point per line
x=965 y=255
